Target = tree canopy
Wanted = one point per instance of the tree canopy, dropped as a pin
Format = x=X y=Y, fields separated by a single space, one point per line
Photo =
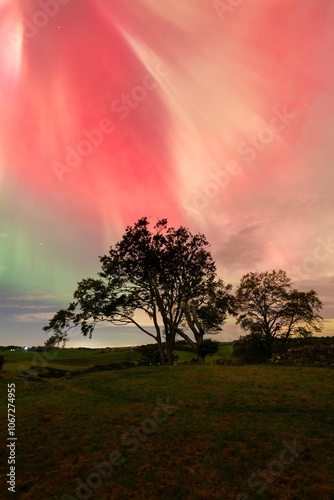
x=167 y=273
x=269 y=309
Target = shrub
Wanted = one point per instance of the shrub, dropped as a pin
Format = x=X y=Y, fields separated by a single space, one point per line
x=151 y=355
x=208 y=347
x=250 y=349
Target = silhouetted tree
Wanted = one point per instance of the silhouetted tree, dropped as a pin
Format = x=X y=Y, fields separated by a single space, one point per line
x=271 y=311
x=167 y=273
x=208 y=347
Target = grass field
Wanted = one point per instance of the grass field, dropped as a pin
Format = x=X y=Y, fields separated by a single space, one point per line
x=188 y=431
x=73 y=359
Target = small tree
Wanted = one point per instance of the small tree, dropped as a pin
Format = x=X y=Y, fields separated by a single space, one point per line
x=271 y=311
x=208 y=347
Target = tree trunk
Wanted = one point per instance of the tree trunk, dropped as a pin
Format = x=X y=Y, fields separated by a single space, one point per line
x=201 y=358
x=170 y=338
x=158 y=338
x=162 y=353
x=170 y=354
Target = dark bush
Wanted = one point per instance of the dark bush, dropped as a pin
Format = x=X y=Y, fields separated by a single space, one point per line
x=208 y=347
x=151 y=355
x=250 y=349
x=182 y=345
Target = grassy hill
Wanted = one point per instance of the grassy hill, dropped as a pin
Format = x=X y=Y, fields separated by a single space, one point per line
x=182 y=432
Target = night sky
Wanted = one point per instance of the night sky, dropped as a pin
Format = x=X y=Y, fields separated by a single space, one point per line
x=215 y=115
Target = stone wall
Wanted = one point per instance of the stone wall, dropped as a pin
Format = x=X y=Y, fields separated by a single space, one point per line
x=309 y=355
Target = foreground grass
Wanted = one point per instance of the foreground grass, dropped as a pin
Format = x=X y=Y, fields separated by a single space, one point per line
x=229 y=423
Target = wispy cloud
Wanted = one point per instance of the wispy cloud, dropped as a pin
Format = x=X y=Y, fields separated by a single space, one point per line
x=34 y=317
